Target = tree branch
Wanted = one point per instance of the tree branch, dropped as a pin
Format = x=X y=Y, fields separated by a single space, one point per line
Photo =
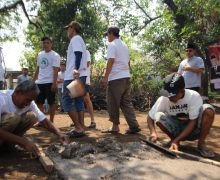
x=26 y=14
x=10 y=7
x=142 y=9
x=146 y=23
x=14 y=6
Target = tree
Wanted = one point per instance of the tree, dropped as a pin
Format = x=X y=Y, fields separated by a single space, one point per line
x=54 y=15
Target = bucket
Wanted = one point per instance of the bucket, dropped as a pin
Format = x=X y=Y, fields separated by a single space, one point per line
x=76 y=88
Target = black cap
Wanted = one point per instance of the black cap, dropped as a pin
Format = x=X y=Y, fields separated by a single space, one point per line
x=173 y=83
x=190 y=46
x=114 y=30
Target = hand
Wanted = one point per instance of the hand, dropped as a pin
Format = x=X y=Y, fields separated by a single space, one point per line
x=174 y=146
x=153 y=137
x=31 y=147
x=76 y=74
x=187 y=67
x=63 y=139
x=54 y=87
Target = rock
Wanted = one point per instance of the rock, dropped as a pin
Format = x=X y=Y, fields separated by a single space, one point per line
x=69 y=150
x=85 y=149
x=53 y=150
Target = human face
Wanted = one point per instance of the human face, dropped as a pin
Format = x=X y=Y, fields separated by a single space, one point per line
x=21 y=99
x=62 y=68
x=179 y=96
x=189 y=52
x=70 y=32
x=110 y=36
x=25 y=71
x=47 y=45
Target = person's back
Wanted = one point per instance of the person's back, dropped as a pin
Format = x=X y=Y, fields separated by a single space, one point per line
x=119 y=51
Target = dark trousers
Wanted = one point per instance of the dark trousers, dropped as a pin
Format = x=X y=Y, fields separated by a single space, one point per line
x=118 y=96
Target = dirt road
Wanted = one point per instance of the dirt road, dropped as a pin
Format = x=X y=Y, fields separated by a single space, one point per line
x=20 y=166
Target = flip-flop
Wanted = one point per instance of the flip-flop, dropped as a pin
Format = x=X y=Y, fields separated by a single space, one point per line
x=109 y=131
x=205 y=152
x=133 y=131
x=75 y=134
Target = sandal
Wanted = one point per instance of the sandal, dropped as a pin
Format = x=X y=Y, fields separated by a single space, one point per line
x=133 y=131
x=92 y=125
x=205 y=152
x=109 y=131
x=75 y=134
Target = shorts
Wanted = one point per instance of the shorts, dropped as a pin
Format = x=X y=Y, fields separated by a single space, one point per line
x=87 y=88
x=45 y=93
x=176 y=126
x=69 y=104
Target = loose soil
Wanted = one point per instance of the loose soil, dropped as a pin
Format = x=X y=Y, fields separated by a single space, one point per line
x=22 y=166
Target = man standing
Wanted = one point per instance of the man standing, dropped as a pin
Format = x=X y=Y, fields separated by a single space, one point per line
x=1 y=70
x=191 y=69
x=181 y=115
x=117 y=78
x=48 y=63
x=18 y=113
x=24 y=76
x=60 y=80
x=76 y=67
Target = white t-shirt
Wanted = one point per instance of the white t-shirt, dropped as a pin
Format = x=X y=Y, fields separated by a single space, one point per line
x=88 y=68
x=186 y=108
x=1 y=67
x=61 y=75
x=191 y=79
x=118 y=50
x=76 y=44
x=46 y=62
x=7 y=106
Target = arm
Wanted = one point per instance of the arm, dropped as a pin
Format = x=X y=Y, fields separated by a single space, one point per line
x=23 y=142
x=108 y=69
x=78 y=56
x=55 y=75
x=151 y=126
x=36 y=74
x=194 y=69
x=183 y=134
x=60 y=81
x=50 y=127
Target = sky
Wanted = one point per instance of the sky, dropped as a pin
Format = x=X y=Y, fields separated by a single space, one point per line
x=12 y=51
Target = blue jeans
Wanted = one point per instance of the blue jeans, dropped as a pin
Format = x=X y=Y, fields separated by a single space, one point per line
x=69 y=104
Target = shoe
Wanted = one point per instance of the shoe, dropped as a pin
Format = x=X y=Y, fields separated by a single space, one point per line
x=133 y=131
x=205 y=152
x=92 y=125
x=75 y=134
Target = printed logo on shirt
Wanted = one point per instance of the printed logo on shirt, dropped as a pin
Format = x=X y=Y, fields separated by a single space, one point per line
x=44 y=63
x=180 y=110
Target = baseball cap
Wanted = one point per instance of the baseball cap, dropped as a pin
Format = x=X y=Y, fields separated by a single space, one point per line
x=75 y=24
x=113 y=29
x=190 y=46
x=173 y=83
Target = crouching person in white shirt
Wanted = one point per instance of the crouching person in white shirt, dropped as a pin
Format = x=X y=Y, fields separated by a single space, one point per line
x=18 y=113
x=182 y=115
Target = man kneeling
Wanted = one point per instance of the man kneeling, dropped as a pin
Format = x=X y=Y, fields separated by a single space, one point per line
x=18 y=113
x=182 y=115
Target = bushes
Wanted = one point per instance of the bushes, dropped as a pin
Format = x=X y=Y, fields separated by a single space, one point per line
x=144 y=86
